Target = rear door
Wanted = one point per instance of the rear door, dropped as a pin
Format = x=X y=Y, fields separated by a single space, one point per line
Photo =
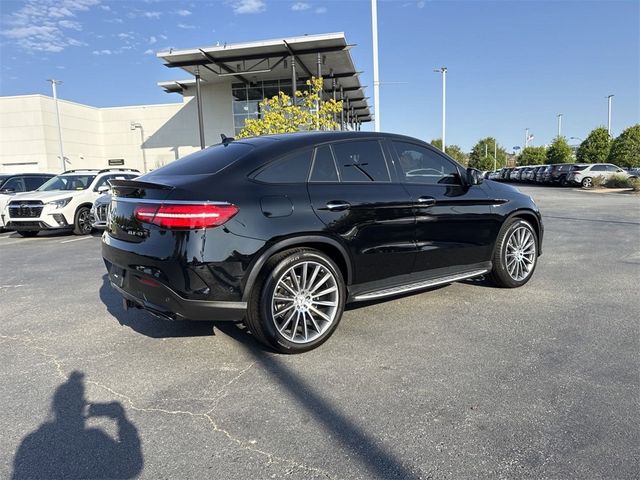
x=454 y=227
x=353 y=190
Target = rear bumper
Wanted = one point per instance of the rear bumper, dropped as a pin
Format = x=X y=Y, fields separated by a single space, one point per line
x=160 y=300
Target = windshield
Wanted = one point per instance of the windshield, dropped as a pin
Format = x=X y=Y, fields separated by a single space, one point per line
x=67 y=182
x=2 y=179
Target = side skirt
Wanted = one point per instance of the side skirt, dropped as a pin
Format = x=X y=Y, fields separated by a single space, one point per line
x=414 y=285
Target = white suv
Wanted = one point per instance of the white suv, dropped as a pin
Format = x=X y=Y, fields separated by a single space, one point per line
x=63 y=202
x=583 y=174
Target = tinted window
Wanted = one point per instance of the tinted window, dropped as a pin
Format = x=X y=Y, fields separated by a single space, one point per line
x=293 y=169
x=361 y=161
x=599 y=168
x=612 y=168
x=421 y=165
x=578 y=167
x=324 y=168
x=16 y=184
x=34 y=182
x=209 y=160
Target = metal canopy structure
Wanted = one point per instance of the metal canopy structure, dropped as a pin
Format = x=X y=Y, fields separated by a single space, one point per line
x=296 y=58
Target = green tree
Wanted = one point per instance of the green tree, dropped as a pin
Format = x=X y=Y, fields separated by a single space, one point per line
x=481 y=156
x=280 y=115
x=454 y=151
x=559 y=151
x=595 y=148
x=533 y=156
x=625 y=149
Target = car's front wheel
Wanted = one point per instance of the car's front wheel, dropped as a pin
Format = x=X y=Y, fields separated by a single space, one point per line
x=587 y=182
x=516 y=254
x=297 y=302
x=82 y=221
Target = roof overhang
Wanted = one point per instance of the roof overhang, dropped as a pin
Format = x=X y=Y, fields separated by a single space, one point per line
x=271 y=60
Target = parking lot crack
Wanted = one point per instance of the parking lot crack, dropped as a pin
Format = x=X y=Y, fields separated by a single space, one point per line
x=207 y=416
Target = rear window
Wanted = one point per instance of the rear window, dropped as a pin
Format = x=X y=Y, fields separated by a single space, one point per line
x=209 y=160
x=293 y=169
x=578 y=167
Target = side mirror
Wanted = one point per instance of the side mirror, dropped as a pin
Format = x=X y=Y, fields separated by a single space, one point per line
x=474 y=176
x=103 y=189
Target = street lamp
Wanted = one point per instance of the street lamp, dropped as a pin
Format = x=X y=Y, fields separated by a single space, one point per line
x=575 y=138
x=133 y=126
x=559 y=124
x=55 y=99
x=376 y=79
x=609 y=97
x=443 y=71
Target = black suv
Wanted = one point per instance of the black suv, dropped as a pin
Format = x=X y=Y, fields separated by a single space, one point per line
x=282 y=231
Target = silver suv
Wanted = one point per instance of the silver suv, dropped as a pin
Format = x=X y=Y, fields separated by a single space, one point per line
x=583 y=173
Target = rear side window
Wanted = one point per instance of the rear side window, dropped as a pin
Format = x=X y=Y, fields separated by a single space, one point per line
x=292 y=169
x=324 y=168
x=599 y=168
x=361 y=161
x=209 y=160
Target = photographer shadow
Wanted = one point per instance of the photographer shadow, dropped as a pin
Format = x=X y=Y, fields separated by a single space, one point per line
x=65 y=447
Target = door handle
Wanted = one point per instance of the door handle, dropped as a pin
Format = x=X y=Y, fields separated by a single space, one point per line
x=338 y=205
x=426 y=201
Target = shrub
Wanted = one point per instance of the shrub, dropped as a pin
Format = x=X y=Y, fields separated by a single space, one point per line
x=598 y=181
x=617 y=181
x=634 y=183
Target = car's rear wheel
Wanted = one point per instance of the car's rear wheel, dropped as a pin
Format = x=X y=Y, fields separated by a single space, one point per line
x=298 y=301
x=27 y=233
x=82 y=221
x=587 y=183
x=516 y=254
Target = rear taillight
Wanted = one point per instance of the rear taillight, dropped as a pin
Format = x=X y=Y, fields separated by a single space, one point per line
x=168 y=215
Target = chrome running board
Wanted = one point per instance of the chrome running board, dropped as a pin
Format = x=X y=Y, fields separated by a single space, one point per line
x=418 y=285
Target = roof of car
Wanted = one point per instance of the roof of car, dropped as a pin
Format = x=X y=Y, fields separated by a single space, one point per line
x=8 y=175
x=320 y=137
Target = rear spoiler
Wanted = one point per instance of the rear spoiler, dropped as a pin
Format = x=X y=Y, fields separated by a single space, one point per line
x=136 y=188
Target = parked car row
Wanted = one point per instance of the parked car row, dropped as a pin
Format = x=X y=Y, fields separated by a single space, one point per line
x=61 y=202
x=563 y=174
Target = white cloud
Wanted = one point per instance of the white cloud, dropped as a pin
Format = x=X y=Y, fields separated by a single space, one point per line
x=102 y=52
x=300 y=6
x=185 y=26
x=152 y=40
x=149 y=52
x=321 y=10
x=420 y=4
x=184 y=13
x=41 y=25
x=106 y=8
x=154 y=15
x=163 y=37
x=248 y=6
x=125 y=36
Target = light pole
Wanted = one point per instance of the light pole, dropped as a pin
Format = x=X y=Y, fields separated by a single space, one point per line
x=443 y=71
x=559 y=124
x=133 y=126
x=55 y=99
x=609 y=114
x=526 y=137
x=376 y=79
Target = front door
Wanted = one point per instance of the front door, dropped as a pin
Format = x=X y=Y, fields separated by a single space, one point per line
x=354 y=192
x=454 y=226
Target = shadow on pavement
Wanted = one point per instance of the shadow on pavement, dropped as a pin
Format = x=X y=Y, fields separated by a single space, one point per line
x=368 y=450
x=145 y=323
x=64 y=447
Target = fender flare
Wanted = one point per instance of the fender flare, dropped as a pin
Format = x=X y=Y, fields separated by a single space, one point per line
x=292 y=242
x=538 y=225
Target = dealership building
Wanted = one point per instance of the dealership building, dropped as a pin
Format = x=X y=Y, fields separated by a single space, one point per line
x=222 y=86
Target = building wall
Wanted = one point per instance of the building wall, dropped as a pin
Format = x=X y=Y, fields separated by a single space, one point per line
x=91 y=136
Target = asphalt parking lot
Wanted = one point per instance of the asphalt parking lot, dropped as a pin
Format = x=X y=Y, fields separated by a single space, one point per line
x=464 y=381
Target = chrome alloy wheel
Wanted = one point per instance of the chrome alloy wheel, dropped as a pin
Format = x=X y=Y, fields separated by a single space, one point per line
x=305 y=301
x=84 y=221
x=520 y=254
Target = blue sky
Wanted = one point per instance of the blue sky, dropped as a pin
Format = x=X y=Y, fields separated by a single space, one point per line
x=511 y=65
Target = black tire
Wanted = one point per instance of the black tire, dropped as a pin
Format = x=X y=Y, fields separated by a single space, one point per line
x=563 y=181
x=587 y=182
x=500 y=275
x=28 y=233
x=260 y=320
x=82 y=221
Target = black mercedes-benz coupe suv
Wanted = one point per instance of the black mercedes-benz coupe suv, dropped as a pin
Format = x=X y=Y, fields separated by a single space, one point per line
x=282 y=231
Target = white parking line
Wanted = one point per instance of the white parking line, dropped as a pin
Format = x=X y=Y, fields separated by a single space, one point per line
x=77 y=239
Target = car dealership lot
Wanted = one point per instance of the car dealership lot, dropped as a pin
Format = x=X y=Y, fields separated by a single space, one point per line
x=462 y=381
